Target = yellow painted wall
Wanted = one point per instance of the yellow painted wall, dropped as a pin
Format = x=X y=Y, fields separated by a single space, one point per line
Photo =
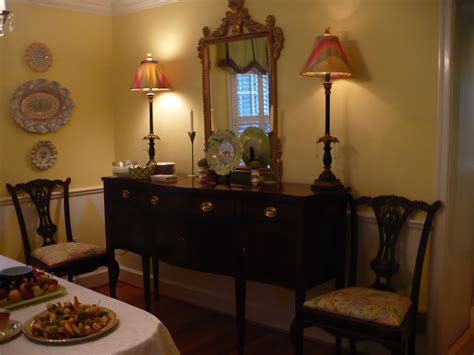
x=385 y=116
x=81 y=46
x=82 y=54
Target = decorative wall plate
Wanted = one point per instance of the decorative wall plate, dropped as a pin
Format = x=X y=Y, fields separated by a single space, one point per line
x=41 y=106
x=39 y=57
x=44 y=155
x=223 y=152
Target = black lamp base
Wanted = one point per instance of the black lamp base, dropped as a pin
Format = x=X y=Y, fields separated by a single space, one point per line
x=325 y=185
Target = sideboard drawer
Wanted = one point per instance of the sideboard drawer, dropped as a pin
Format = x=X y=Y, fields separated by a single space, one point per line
x=211 y=206
x=167 y=203
x=126 y=193
x=270 y=212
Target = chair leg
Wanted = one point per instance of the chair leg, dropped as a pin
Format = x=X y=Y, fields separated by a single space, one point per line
x=146 y=280
x=70 y=277
x=353 y=346
x=296 y=333
x=412 y=344
x=398 y=350
x=114 y=271
x=338 y=344
x=156 y=277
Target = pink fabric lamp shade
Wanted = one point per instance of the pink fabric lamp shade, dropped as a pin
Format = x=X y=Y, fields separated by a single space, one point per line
x=149 y=77
x=327 y=57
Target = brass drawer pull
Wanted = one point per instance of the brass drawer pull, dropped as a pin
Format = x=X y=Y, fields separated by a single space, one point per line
x=206 y=207
x=154 y=200
x=125 y=194
x=270 y=212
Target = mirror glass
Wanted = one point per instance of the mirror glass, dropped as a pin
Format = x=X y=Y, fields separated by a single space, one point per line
x=239 y=85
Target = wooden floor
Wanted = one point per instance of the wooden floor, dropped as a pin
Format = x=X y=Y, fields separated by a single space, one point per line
x=198 y=331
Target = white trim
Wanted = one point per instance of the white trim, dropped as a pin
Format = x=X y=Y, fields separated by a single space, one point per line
x=436 y=341
x=101 y=7
x=413 y=224
x=137 y=5
x=87 y=191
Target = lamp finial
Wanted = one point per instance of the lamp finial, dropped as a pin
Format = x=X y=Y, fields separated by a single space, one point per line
x=327 y=31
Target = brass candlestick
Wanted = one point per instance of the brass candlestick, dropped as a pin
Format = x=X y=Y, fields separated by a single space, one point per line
x=192 y=135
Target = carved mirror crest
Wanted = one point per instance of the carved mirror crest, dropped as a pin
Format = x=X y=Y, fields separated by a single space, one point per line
x=240 y=83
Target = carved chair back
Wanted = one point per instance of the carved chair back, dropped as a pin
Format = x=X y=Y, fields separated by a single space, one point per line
x=40 y=192
x=391 y=213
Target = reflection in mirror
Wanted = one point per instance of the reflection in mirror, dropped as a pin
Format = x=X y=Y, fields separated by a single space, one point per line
x=239 y=85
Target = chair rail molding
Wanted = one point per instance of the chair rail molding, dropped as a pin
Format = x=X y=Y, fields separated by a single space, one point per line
x=101 y=7
x=86 y=191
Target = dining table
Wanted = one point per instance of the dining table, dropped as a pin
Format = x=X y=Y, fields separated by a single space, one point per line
x=138 y=332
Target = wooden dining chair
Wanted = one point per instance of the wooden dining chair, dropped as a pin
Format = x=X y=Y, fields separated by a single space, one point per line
x=67 y=258
x=373 y=313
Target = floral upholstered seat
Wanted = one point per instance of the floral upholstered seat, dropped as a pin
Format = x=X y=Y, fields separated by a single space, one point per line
x=380 y=307
x=64 y=252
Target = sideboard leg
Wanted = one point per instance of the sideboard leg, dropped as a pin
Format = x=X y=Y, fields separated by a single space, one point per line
x=156 y=277
x=146 y=280
x=113 y=271
x=240 y=313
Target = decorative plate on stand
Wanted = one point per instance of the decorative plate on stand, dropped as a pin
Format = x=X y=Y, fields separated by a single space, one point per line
x=223 y=152
x=41 y=106
x=44 y=155
x=39 y=57
x=256 y=146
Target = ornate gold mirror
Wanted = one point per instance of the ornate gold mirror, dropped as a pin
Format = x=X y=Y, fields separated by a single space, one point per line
x=240 y=84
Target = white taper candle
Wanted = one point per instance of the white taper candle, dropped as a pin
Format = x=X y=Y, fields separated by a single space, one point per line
x=2 y=5
x=191 y=118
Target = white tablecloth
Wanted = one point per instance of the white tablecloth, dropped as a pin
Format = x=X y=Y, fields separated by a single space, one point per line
x=138 y=332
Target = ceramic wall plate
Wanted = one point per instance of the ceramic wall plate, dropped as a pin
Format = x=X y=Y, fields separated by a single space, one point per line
x=44 y=155
x=39 y=57
x=223 y=152
x=256 y=146
x=41 y=106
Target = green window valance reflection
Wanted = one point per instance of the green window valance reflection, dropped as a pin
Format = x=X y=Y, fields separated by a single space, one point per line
x=242 y=56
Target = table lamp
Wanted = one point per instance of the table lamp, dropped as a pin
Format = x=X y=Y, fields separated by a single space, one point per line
x=327 y=60
x=150 y=79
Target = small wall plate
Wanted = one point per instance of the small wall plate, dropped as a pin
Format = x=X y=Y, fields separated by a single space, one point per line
x=39 y=57
x=44 y=155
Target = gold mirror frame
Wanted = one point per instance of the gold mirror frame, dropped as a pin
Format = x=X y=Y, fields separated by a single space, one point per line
x=237 y=25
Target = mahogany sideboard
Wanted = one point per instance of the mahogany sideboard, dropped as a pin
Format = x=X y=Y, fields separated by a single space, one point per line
x=266 y=234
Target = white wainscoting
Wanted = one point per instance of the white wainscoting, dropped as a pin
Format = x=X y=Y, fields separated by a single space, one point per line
x=268 y=305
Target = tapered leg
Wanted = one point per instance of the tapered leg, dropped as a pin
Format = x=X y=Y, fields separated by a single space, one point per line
x=338 y=344
x=70 y=277
x=114 y=271
x=412 y=344
x=398 y=350
x=296 y=333
x=240 y=313
x=146 y=280
x=156 y=277
x=353 y=346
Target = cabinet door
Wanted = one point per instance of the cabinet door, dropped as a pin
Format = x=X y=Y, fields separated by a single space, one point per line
x=270 y=254
x=125 y=222
x=195 y=243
